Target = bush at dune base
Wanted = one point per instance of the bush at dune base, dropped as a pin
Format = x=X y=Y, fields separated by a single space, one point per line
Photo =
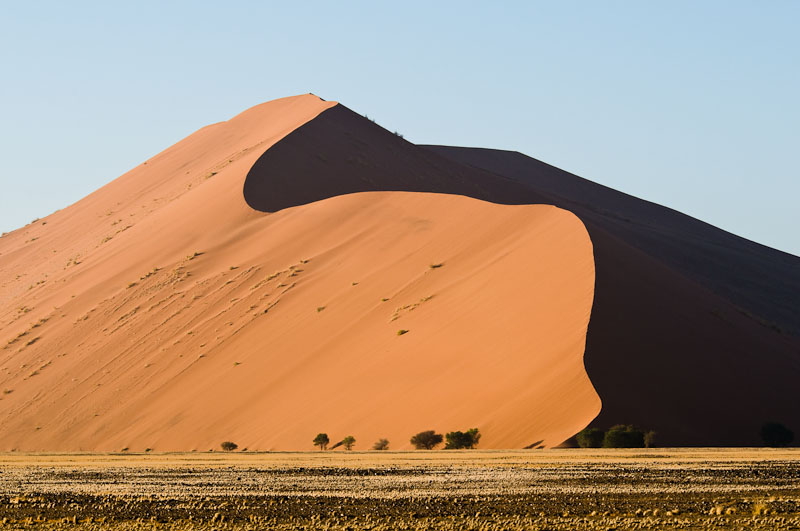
x=590 y=438
x=321 y=440
x=426 y=440
x=776 y=434
x=381 y=444
x=457 y=440
x=623 y=436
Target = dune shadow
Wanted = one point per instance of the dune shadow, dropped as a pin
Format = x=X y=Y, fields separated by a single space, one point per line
x=341 y=152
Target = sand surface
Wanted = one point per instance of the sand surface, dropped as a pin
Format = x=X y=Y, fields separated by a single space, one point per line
x=453 y=490
x=164 y=312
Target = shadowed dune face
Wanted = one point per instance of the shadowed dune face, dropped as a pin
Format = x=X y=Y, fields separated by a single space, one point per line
x=341 y=152
x=163 y=312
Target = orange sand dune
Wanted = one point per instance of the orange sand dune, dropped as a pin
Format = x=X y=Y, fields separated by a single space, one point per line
x=163 y=312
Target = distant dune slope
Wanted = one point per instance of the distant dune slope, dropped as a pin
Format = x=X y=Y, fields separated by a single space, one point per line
x=164 y=312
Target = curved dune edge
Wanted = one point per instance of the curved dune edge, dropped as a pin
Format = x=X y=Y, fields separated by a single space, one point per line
x=173 y=317
x=341 y=152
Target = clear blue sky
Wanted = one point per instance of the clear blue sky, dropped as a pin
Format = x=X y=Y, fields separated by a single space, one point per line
x=691 y=104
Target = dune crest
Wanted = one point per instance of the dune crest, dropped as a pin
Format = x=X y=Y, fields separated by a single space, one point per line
x=163 y=312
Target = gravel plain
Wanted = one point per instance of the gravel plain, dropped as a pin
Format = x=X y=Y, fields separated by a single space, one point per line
x=564 y=489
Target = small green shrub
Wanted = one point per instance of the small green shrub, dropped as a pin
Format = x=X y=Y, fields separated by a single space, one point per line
x=348 y=442
x=590 y=438
x=457 y=440
x=381 y=444
x=229 y=446
x=426 y=440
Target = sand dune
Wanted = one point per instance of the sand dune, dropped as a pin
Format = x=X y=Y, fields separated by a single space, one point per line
x=249 y=283
x=164 y=312
x=693 y=331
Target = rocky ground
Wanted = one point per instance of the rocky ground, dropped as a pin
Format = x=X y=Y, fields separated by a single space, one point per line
x=486 y=490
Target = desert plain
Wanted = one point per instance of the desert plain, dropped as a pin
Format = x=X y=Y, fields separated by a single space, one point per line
x=478 y=489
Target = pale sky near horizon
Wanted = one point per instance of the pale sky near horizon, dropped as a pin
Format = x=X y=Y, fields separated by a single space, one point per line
x=690 y=104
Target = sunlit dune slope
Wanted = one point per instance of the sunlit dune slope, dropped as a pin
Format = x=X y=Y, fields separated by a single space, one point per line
x=164 y=312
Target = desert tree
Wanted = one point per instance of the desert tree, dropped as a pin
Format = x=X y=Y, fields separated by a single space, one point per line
x=321 y=440
x=426 y=440
x=457 y=440
x=590 y=438
x=229 y=446
x=623 y=436
x=381 y=444
x=348 y=442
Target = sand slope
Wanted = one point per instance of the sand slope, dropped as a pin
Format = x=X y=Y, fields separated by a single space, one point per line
x=163 y=312
x=694 y=330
